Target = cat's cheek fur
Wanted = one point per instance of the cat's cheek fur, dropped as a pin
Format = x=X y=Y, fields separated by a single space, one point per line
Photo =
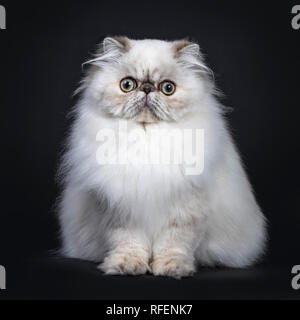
x=137 y=219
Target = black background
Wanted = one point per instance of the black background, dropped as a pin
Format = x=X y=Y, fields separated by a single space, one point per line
x=252 y=49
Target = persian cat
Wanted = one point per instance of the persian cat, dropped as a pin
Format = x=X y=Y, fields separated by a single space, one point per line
x=134 y=218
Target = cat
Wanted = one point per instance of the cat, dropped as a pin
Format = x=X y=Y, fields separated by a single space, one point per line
x=132 y=218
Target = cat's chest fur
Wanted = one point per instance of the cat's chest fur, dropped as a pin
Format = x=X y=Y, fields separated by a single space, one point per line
x=133 y=171
x=140 y=182
x=150 y=195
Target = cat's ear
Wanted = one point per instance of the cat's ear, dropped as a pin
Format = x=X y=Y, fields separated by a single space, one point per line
x=184 y=47
x=189 y=54
x=116 y=43
x=109 y=51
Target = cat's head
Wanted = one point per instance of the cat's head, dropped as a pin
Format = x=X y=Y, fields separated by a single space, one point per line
x=147 y=80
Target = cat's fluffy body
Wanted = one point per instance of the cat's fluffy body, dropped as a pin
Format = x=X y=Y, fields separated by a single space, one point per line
x=138 y=218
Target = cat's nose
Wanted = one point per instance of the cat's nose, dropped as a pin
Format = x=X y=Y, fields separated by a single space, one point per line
x=147 y=87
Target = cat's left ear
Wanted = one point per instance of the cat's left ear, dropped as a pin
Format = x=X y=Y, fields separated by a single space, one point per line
x=186 y=48
x=189 y=54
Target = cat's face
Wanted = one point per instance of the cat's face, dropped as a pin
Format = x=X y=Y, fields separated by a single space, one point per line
x=148 y=80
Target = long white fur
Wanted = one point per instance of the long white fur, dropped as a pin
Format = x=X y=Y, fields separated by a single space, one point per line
x=133 y=219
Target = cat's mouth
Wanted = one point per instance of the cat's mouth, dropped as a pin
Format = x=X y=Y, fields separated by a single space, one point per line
x=146 y=114
x=146 y=111
x=146 y=104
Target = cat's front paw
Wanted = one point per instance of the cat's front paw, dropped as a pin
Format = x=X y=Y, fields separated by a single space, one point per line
x=124 y=263
x=175 y=266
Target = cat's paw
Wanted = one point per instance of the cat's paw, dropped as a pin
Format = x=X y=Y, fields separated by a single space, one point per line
x=124 y=263
x=173 y=266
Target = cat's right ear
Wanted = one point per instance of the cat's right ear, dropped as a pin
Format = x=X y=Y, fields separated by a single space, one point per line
x=116 y=43
x=109 y=51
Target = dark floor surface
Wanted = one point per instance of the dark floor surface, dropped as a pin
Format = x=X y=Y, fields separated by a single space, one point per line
x=62 y=278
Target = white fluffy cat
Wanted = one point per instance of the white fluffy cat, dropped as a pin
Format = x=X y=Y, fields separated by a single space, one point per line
x=135 y=218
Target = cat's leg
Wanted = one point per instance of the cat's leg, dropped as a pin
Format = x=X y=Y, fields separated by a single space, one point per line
x=129 y=252
x=90 y=231
x=174 y=247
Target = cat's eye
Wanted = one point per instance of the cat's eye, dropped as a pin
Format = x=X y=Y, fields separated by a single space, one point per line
x=167 y=88
x=127 y=84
